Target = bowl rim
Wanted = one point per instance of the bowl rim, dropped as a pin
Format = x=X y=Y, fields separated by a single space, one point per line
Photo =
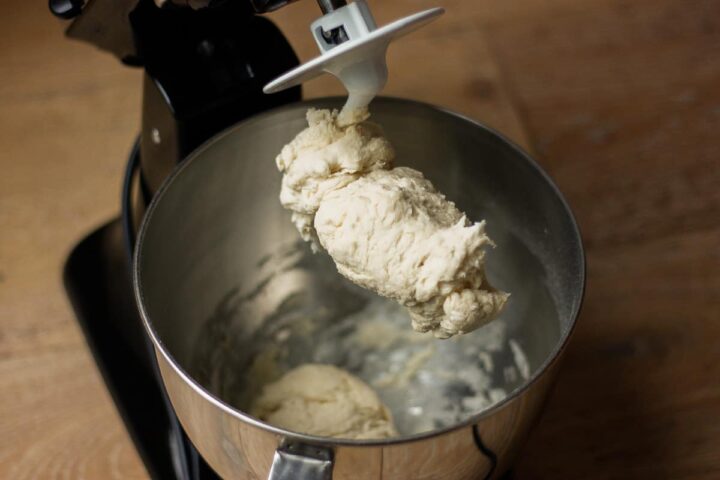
x=331 y=102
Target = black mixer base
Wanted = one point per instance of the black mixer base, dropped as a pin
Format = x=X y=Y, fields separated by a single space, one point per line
x=97 y=279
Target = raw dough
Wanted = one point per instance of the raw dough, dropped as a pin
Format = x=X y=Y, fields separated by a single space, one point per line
x=326 y=401
x=328 y=155
x=387 y=229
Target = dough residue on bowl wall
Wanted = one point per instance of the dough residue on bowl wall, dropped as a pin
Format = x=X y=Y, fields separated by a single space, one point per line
x=425 y=383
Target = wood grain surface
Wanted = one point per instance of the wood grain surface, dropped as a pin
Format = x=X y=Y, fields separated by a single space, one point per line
x=622 y=102
x=619 y=99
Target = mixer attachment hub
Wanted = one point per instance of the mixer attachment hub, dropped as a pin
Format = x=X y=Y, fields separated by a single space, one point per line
x=352 y=48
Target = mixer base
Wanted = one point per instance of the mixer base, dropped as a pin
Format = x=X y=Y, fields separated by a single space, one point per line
x=97 y=280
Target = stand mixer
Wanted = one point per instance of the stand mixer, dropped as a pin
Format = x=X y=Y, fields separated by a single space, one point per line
x=209 y=65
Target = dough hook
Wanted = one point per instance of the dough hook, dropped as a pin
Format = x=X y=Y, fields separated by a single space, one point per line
x=352 y=48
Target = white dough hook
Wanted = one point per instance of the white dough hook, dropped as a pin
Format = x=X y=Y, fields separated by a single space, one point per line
x=352 y=48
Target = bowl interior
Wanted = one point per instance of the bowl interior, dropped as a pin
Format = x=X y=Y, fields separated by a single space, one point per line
x=236 y=299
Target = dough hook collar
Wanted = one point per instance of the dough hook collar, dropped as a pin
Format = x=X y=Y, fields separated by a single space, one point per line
x=353 y=50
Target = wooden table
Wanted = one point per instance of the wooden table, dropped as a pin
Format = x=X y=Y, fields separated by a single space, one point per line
x=621 y=102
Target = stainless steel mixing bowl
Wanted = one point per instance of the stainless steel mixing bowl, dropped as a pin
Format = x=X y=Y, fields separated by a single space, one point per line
x=220 y=281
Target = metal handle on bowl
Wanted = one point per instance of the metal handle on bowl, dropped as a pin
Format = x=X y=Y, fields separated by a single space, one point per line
x=296 y=460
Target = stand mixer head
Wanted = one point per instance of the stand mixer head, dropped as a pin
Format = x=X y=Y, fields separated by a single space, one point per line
x=207 y=61
x=352 y=48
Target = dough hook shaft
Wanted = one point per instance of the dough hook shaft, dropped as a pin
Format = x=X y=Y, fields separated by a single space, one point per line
x=352 y=48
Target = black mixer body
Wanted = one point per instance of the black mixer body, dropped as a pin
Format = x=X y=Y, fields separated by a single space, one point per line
x=204 y=70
